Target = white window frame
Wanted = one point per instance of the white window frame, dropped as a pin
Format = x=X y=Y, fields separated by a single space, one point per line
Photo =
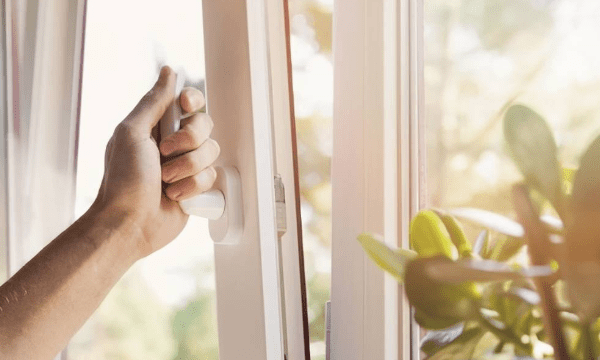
x=377 y=171
x=248 y=63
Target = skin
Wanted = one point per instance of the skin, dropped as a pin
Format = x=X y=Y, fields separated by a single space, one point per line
x=51 y=297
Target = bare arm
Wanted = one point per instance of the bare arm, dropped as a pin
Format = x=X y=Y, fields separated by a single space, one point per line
x=52 y=296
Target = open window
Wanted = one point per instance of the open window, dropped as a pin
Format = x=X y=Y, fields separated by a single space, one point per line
x=420 y=91
x=91 y=62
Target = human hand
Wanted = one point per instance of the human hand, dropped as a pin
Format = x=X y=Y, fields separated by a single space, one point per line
x=132 y=185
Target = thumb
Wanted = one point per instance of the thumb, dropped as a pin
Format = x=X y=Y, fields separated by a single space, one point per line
x=152 y=106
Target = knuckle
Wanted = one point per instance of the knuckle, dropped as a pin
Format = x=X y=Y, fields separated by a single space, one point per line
x=213 y=174
x=124 y=130
x=215 y=146
x=149 y=97
x=208 y=121
x=191 y=162
x=191 y=135
x=198 y=181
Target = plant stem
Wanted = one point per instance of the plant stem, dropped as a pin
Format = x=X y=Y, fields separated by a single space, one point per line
x=538 y=241
x=588 y=341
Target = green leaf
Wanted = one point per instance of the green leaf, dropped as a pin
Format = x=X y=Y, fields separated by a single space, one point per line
x=514 y=307
x=457 y=235
x=435 y=340
x=527 y=295
x=568 y=176
x=392 y=261
x=437 y=346
x=490 y=220
x=553 y=224
x=582 y=236
x=429 y=237
x=455 y=272
x=481 y=243
x=440 y=303
x=506 y=247
x=586 y=185
x=533 y=148
x=438 y=322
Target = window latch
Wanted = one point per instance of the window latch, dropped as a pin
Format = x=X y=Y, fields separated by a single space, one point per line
x=281 y=214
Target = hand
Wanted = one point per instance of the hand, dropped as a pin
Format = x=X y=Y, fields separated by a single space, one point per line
x=132 y=179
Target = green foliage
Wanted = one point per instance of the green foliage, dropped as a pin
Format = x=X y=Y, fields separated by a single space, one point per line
x=392 y=261
x=442 y=305
x=534 y=150
x=192 y=329
x=429 y=236
x=457 y=235
x=457 y=342
x=441 y=288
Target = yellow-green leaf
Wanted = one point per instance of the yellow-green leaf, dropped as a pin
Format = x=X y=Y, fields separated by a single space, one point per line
x=392 y=261
x=429 y=237
x=457 y=235
x=440 y=304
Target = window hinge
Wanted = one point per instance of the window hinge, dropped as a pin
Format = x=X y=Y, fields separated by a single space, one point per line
x=280 y=206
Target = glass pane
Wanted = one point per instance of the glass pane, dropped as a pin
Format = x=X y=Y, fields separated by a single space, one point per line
x=164 y=307
x=311 y=42
x=481 y=55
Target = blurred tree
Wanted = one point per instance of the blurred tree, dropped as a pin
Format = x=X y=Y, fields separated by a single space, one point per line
x=193 y=329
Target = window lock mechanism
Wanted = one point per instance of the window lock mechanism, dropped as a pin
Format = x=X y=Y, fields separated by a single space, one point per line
x=280 y=206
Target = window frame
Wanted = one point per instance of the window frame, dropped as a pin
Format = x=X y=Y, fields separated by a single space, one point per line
x=378 y=94
x=252 y=30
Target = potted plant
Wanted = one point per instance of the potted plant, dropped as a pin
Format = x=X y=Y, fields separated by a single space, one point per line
x=528 y=287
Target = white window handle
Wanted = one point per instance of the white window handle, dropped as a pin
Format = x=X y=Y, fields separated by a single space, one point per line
x=222 y=205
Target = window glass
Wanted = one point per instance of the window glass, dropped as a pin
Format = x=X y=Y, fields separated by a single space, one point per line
x=311 y=45
x=483 y=54
x=164 y=307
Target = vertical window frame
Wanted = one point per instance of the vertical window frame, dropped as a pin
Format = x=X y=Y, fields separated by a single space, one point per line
x=382 y=327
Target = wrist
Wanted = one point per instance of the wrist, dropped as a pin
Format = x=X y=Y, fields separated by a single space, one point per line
x=120 y=229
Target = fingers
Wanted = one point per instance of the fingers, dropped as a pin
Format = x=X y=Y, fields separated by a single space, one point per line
x=194 y=132
x=191 y=99
x=191 y=163
x=152 y=106
x=192 y=186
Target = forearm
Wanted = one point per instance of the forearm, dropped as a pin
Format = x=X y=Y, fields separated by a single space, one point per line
x=50 y=298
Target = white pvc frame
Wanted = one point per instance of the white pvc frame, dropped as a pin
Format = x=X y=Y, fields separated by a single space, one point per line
x=377 y=96
x=240 y=93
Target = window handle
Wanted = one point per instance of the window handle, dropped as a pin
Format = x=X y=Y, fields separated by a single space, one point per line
x=222 y=205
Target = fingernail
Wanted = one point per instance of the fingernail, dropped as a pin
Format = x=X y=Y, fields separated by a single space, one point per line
x=164 y=71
